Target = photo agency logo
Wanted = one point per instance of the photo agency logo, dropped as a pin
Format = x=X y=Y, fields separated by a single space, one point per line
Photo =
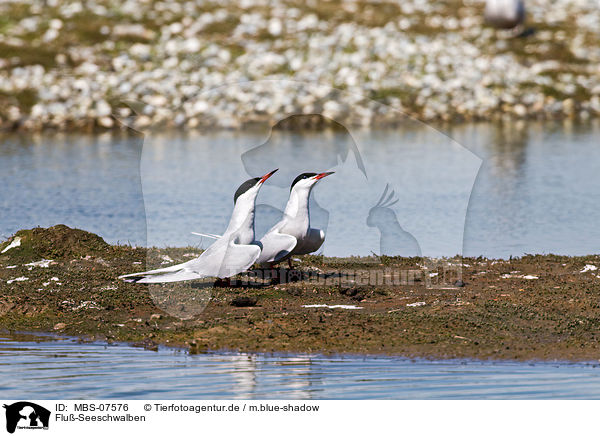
x=24 y=415
x=312 y=197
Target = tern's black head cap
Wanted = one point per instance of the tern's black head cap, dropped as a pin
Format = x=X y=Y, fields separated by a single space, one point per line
x=301 y=177
x=244 y=187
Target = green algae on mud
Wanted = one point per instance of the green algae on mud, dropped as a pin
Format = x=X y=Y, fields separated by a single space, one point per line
x=58 y=241
x=535 y=307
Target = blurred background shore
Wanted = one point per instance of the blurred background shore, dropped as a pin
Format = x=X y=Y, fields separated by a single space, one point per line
x=83 y=65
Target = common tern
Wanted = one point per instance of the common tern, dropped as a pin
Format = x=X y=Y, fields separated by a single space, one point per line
x=232 y=253
x=293 y=234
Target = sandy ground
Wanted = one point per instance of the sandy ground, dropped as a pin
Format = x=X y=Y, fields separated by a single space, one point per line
x=535 y=307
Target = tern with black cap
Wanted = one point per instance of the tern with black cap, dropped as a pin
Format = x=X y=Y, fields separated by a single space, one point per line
x=234 y=252
x=293 y=234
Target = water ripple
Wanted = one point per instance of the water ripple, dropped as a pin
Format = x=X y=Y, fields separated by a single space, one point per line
x=67 y=369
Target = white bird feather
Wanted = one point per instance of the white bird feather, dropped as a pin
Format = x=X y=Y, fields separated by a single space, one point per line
x=207 y=235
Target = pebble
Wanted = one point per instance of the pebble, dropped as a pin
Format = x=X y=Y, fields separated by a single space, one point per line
x=244 y=301
x=106 y=122
x=284 y=60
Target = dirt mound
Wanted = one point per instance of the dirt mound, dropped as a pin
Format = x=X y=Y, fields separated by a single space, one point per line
x=54 y=242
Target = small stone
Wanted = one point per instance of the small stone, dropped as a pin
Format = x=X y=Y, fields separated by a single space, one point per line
x=142 y=121
x=243 y=301
x=56 y=24
x=156 y=316
x=520 y=110
x=136 y=30
x=103 y=109
x=147 y=344
x=60 y=326
x=568 y=106
x=459 y=283
x=106 y=122
x=61 y=58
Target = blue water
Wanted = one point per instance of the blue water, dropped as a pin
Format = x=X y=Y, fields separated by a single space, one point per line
x=492 y=190
x=33 y=367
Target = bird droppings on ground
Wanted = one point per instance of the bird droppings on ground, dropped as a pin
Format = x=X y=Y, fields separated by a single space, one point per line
x=166 y=260
x=416 y=304
x=18 y=279
x=555 y=316
x=14 y=243
x=515 y=275
x=44 y=263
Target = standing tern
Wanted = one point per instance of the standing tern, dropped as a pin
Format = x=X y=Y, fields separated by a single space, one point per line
x=230 y=254
x=293 y=234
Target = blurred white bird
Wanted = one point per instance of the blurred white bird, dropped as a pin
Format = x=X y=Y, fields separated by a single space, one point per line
x=232 y=253
x=293 y=234
x=504 y=14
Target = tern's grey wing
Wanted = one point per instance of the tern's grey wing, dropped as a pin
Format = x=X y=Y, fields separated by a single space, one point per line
x=311 y=243
x=238 y=258
x=276 y=246
x=224 y=258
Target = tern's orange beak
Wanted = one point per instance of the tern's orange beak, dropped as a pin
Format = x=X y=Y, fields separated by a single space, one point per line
x=320 y=176
x=266 y=176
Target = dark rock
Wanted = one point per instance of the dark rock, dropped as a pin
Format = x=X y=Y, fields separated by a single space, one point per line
x=147 y=344
x=357 y=294
x=350 y=292
x=243 y=301
x=296 y=292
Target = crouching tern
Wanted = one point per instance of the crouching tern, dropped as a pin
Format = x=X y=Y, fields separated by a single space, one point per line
x=293 y=234
x=234 y=252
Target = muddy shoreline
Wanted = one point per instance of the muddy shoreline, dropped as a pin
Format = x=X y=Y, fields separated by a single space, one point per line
x=542 y=307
